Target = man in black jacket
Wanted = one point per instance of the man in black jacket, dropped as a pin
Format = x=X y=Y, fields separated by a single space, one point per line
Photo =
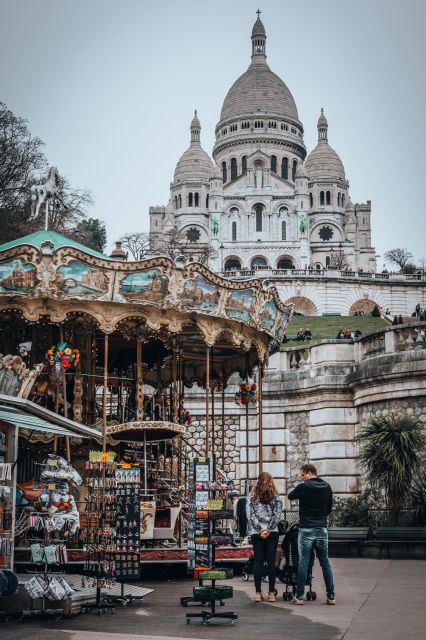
x=315 y=503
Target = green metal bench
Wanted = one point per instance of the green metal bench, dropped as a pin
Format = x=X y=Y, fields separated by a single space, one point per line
x=349 y=535
x=385 y=536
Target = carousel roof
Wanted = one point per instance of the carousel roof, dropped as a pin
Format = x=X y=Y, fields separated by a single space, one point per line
x=58 y=240
x=145 y=431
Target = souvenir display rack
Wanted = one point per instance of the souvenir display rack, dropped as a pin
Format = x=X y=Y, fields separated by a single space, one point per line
x=49 y=526
x=6 y=516
x=127 y=528
x=208 y=506
x=99 y=533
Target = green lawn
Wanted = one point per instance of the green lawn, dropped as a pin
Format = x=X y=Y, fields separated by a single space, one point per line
x=328 y=326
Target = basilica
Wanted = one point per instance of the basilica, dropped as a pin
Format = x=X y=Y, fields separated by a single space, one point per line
x=262 y=202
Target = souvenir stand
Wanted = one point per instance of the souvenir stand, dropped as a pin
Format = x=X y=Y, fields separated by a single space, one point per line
x=209 y=506
x=124 y=327
x=8 y=582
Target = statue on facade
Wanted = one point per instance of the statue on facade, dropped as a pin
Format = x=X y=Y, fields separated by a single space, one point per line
x=215 y=227
x=303 y=227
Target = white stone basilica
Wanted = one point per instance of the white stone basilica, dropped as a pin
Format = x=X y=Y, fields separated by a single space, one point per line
x=259 y=203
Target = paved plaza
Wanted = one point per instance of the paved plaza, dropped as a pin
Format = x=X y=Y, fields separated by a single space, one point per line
x=376 y=599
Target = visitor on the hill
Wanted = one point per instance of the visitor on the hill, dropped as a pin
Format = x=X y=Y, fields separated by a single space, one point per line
x=347 y=334
x=300 y=335
x=264 y=508
x=395 y=320
x=340 y=334
x=315 y=503
x=308 y=334
x=400 y=321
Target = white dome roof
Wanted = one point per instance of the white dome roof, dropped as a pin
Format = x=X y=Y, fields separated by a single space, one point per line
x=323 y=161
x=194 y=163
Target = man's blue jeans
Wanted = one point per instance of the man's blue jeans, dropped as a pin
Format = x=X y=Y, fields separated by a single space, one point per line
x=318 y=539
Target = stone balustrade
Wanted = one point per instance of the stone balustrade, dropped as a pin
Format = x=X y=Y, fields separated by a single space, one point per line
x=320 y=273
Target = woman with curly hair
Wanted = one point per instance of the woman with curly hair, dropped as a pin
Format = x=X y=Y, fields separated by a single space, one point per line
x=264 y=509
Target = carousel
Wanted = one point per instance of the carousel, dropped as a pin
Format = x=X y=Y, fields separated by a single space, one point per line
x=117 y=346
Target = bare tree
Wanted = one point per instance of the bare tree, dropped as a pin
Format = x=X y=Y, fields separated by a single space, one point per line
x=138 y=243
x=400 y=257
x=175 y=244
x=338 y=260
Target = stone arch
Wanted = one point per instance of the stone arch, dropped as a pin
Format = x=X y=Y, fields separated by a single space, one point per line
x=285 y=262
x=232 y=262
x=303 y=305
x=259 y=262
x=365 y=305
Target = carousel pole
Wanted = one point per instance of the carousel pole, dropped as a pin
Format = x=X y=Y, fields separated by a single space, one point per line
x=247 y=431
x=207 y=399
x=223 y=424
x=212 y=416
x=104 y=403
x=139 y=383
x=260 y=416
x=64 y=395
x=174 y=383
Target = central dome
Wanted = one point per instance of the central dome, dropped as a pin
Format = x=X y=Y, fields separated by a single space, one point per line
x=259 y=90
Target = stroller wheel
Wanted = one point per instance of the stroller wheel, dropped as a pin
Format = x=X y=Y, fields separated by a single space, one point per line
x=245 y=576
x=287 y=596
x=313 y=595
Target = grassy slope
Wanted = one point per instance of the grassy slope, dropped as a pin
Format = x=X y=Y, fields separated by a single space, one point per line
x=328 y=326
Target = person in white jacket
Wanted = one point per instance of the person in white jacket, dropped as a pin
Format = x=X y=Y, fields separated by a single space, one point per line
x=264 y=509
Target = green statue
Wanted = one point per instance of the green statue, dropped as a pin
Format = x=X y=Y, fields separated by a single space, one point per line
x=302 y=225
x=215 y=227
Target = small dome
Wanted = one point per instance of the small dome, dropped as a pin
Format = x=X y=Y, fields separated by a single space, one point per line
x=194 y=163
x=301 y=171
x=217 y=173
x=323 y=161
x=258 y=28
x=349 y=205
x=322 y=120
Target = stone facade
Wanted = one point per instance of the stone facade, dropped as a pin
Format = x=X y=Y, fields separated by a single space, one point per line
x=313 y=406
x=258 y=203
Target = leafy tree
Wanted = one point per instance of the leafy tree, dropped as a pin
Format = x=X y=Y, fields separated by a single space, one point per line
x=138 y=244
x=356 y=511
x=399 y=257
x=91 y=232
x=390 y=454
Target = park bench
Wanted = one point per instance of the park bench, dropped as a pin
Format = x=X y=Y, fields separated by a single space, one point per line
x=348 y=535
x=385 y=536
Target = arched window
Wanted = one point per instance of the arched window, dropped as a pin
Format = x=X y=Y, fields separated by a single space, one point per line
x=259 y=263
x=285 y=263
x=293 y=170
x=321 y=197
x=197 y=200
x=343 y=199
x=284 y=168
x=234 y=210
x=283 y=230
x=244 y=164
x=311 y=200
x=189 y=199
x=274 y=164
x=283 y=210
x=207 y=201
x=259 y=215
x=234 y=172
x=234 y=232
x=224 y=172
x=338 y=199
x=327 y=261
x=232 y=263
x=179 y=201
x=327 y=198
x=176 y=202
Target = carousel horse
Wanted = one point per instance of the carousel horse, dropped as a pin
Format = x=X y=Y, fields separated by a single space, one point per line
x=40 y=192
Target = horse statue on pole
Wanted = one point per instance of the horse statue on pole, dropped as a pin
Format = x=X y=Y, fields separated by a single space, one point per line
x=43 y=193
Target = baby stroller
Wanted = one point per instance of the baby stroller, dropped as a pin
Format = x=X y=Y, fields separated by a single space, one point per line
x=288 y=564
x=248 y=569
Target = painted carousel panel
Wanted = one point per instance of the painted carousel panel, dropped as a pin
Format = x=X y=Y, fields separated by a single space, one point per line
x=17 y=276
x=201 y=295
x=149 y=286
x=80 y=279
x=268 y=315
x=241 y=305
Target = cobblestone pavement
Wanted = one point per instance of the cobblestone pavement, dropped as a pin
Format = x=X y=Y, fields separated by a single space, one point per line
x=376 y=600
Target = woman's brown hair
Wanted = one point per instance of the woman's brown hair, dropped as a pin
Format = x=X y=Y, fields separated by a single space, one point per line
x=264 y=489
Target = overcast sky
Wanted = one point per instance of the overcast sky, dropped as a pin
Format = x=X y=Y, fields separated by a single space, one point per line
x=111 y=85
